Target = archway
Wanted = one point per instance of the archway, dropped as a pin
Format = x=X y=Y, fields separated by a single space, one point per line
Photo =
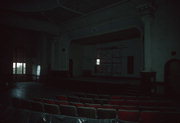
x=172 y=77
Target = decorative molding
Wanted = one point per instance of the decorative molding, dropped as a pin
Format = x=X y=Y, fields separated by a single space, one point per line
x=147 y=9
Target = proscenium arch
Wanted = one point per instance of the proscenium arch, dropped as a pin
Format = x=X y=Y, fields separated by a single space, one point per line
x=133 y=32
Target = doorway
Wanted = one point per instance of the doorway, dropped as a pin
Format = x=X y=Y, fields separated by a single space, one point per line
x=172 y=77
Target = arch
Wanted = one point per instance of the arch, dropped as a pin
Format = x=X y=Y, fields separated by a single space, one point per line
x=172 y=77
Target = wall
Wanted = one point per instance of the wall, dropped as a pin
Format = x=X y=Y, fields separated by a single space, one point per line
x=44 y=55
x=127 y=48
x=22 y=45
x=5 y=55
x=165 y=36
x=89 y=58
x=96 y=23
x=76 y=53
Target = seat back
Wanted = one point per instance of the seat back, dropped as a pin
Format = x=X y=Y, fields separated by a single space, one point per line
x=68 y=110
x=62 y=97
x=104 y=96
x=25 y=104
x=104 y=113
x=62 y=102
x=159 y=117
x=128 y=107
x=117 y=102
x=101 y=101
x=51 y=108
x=129 y=115
x=73 y=99
x=76 y=104
x=88 y=112
x=16 y=102
x=93 y=105
x=86 y=100
x=37 y=106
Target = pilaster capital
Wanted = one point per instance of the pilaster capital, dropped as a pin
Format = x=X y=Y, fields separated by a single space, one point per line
x=147 y=9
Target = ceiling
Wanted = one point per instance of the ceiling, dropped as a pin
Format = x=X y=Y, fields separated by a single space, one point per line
x=55 y=11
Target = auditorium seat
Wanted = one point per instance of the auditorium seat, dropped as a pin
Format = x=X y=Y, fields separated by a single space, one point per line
x=151 y=117
x=86 y=100
x=110 y=106
x=16 y=102
x=62 y=102
x=159 y=117
x=104 y=113
x=51 y=108
x=88 y=112
x=76 y=104
x=124 y=97
x=129 y=115
x=104 y=96
x=157 y=108
x=117 y=102
x=68 y=110
x=18 y=116
x=62 y=97
x=141 y=98
x=38 y=99
x=172 y=117
x=44 y=100
x=49 y=101
x=7 y=114
x=132 y=102
x=154 y=103
x=127 y=107
x=115 y=97
x=36 y=117
x=130 y=98
x=37 y=106
x=101 y=101
x=25 y=104
x=73 y=99
x=93 y=105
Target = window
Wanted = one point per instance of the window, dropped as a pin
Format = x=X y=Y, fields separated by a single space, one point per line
x=19 y=68
x=97 y=61
x=109 y=61
x=38 y=70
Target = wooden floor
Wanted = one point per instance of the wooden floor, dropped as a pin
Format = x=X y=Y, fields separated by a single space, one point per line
x=36 y=89
x=134 y=81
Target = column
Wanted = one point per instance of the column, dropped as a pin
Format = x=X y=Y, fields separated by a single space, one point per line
x=148 y=75
x=147 y=14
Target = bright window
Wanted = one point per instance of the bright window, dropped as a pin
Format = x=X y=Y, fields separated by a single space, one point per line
x=19 y=68
x=38 y=70
x=97 y=61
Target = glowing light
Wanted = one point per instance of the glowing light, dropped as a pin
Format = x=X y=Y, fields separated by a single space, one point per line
x=98 y=61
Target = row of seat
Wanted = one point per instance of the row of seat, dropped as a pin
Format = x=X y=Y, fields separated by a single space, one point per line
x=126 y=100
x=129 y=105
x=100 y=113
x=107 y=96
